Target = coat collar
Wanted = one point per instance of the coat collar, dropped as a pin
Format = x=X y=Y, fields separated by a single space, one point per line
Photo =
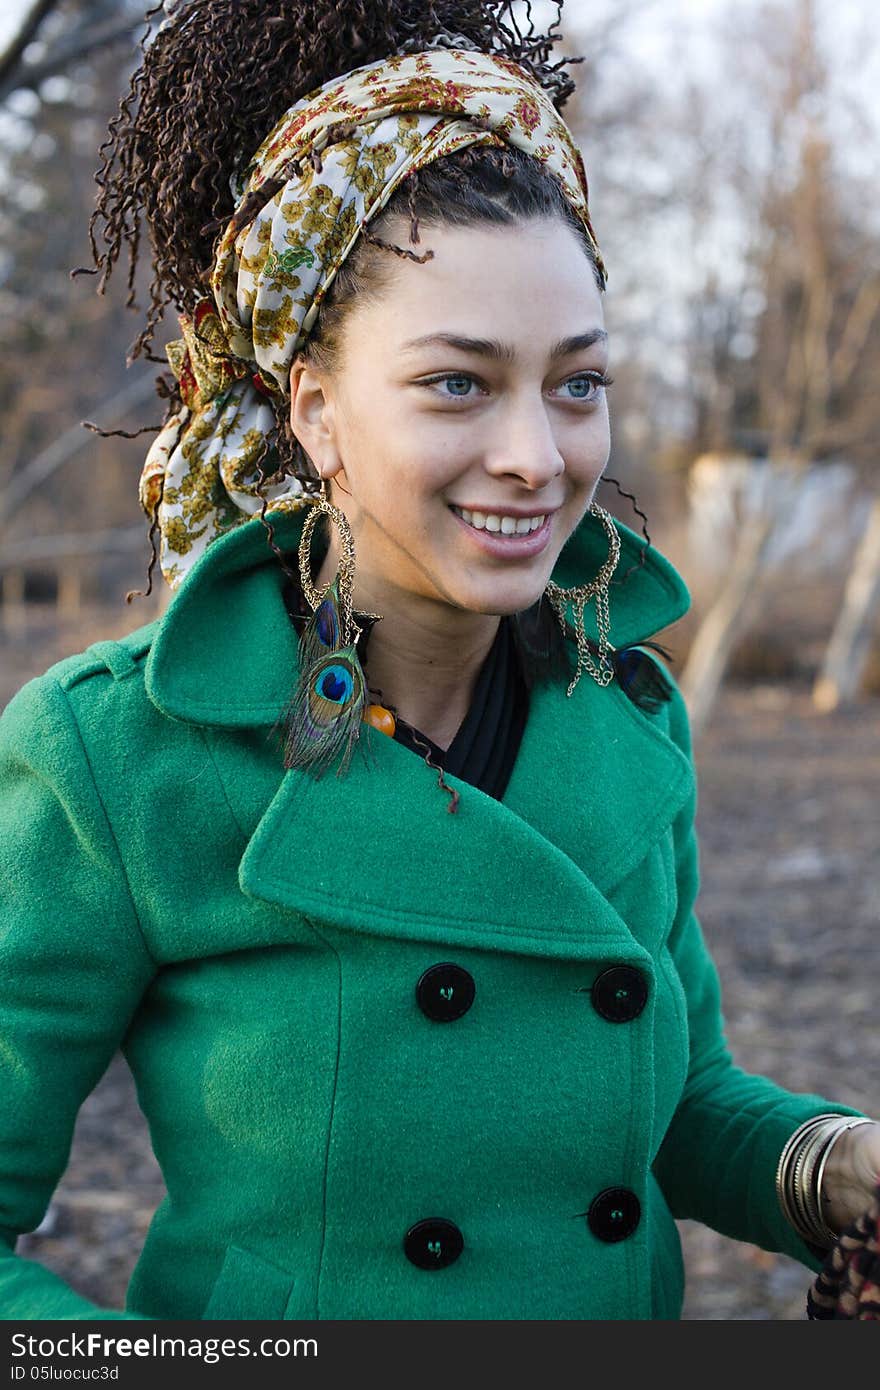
x=225 y=651
x=531 y=873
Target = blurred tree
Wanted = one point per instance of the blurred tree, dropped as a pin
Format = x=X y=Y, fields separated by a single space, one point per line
x=12 y=56
x=64 y=347
x=807 y=389
x=740 y=226
x=81 y=31
x=784 y=340
x=614 y=116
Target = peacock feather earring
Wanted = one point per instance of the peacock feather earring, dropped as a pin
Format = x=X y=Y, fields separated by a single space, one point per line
x=601 y=670
x=322 y=721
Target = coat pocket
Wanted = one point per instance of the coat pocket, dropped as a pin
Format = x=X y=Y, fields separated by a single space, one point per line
x=250 y=1288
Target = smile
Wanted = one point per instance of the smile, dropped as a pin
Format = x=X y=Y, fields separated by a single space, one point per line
x=501 y=525
x=504 y=537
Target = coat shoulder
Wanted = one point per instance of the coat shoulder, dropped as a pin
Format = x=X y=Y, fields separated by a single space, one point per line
x=643 y=669
x=84 y=681
x=119 y=657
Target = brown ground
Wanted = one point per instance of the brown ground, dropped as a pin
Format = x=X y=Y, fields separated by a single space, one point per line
x=790 y=835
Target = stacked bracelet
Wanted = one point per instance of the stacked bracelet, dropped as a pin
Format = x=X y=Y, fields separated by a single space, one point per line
x=800 y=1172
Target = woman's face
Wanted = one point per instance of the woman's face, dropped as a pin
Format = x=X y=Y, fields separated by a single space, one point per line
x=466 y=425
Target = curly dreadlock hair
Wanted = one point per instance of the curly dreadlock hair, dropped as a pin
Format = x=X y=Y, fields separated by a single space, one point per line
x=214 y=80
x=216 y=75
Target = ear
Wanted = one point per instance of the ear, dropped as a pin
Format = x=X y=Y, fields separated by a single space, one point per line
x=312 y=417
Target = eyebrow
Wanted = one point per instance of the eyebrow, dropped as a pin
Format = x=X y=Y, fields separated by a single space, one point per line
x=501 y=352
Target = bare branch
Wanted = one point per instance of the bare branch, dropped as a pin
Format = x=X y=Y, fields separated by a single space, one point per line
x=81 y=44
x=859 y=323
x=27 y=32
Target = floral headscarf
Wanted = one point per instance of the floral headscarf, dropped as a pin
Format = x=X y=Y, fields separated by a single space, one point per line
x=329 y=166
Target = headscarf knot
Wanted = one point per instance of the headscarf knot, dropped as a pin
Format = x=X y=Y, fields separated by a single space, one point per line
x=202 y=362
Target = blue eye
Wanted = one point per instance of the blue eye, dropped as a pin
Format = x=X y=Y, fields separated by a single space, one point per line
x=581 y=382
x=459 y=384
x=591 y=383
x=455 y=381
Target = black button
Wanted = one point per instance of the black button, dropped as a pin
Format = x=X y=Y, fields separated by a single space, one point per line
x=445 y=992
x=614 y=1214
x=620 y=994
x=433 y=1243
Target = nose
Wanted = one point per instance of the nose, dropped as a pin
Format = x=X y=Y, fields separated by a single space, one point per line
x=525 y=446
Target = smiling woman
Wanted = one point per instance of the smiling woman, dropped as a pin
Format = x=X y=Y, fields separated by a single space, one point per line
x=461 y=486
x=396 y=1063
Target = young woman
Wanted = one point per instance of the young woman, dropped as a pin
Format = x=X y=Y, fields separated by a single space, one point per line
x=376 y=854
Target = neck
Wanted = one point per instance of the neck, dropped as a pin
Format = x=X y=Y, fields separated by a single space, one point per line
x=424 y=656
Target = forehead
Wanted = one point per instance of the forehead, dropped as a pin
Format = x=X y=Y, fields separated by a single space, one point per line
x=525 y=282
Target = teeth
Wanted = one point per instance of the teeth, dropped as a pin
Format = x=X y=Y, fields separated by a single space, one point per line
x=505 y=525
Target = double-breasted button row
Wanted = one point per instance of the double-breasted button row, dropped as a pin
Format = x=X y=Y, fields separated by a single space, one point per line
x=619 y=994
x=435 y=1242
x=446 y=991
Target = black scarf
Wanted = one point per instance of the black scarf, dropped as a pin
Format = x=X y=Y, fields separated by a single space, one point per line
x=484 y=749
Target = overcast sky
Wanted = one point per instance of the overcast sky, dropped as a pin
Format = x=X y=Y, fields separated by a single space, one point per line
x=661 y=26
x=697 y=10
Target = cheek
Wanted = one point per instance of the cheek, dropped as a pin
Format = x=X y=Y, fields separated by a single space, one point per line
x=586 y=448
x=383 y=448
x=413 y=473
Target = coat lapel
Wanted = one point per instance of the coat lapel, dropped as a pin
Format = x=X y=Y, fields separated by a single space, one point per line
x=596 y=781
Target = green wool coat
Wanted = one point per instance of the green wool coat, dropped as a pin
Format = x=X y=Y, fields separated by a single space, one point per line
x=252 y=940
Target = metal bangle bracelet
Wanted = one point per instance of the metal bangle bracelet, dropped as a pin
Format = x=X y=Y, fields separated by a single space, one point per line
x=808 y=1142
x=802 y=1179
x=820 y=1171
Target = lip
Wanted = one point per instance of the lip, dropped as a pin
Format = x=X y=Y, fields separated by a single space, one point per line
x=508 y=547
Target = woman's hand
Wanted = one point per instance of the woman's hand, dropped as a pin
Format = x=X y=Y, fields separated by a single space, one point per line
x=851 y=1176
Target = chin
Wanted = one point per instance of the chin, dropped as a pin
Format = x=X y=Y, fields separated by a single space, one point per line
x=504 y=605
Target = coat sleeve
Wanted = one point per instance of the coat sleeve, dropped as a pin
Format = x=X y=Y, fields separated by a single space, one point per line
x=717 y=1163
x=73 y=968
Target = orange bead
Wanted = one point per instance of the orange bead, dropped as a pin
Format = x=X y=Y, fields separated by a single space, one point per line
x=380 y=718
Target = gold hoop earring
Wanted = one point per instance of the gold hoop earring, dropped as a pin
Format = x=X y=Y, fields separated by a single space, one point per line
x=601 y=670
x=322 y=505
x=344 y=581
